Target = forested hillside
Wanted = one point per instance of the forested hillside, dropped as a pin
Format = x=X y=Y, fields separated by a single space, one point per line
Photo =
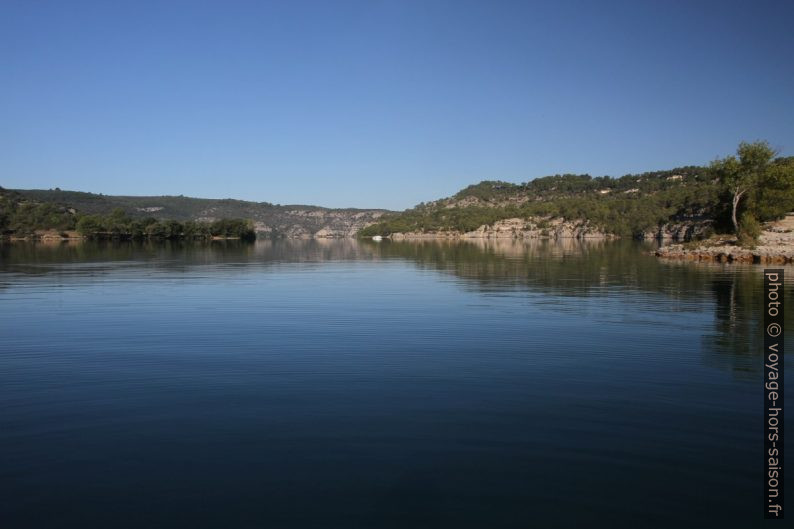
x=268 y=219
x=22 y=217
x=632 y=205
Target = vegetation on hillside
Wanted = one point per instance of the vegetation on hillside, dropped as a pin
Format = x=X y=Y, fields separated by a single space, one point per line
x=274 y=219
x=737 y=193
x=623 y=206
x=24 y=218
x=627 y=206
x=118 y=225
x=758 y=187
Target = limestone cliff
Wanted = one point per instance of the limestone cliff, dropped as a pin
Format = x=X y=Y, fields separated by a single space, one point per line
x=516 y=228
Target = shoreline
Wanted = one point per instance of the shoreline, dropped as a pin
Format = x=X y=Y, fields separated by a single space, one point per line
x=775 y=246
x=727 y=254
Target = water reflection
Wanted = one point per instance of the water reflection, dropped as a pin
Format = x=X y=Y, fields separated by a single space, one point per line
x=396 y=384
x=569 y=267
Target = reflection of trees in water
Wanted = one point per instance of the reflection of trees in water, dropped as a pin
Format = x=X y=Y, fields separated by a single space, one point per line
x=592 y=268
x=568 y=267
x=28 y=257
x=737 y=340
x=32 y=257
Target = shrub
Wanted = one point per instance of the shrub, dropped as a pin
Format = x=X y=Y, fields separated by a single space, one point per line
x=749 y=230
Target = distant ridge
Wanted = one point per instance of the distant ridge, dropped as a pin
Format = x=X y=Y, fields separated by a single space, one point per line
x=295 y=221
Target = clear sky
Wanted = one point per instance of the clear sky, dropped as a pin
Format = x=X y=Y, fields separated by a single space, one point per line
x=380 y=103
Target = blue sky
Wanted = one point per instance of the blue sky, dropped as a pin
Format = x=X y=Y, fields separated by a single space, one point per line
x=380 y=103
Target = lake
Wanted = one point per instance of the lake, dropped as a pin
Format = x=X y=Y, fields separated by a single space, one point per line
x=350 y=384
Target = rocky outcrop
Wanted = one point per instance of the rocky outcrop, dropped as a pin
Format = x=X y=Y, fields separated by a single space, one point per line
x=516 y=228
x=681 y=230
x=48 y=236
x=316 y=223
x=775 y=246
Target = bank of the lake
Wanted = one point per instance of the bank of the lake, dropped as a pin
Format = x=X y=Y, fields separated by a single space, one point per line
x=775 y=246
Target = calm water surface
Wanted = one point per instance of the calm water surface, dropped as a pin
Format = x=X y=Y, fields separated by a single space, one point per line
x=354 y=384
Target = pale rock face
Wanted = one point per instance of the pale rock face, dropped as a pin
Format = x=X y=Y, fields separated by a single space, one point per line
x=515 y=228
x=507 y=228
x=261 y=227
x=464 y=202
x=683 y=230
x=317 y=224
x=326 y=233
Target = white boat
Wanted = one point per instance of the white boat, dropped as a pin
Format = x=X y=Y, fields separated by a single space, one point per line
x=377 y=238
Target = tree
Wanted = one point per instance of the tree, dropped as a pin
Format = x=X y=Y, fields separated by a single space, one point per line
x=744 y=174
x=90 y=225
x=775 y=196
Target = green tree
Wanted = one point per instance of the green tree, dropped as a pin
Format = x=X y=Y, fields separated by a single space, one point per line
x=90 y=225
x=743 y=174
x=775 y=196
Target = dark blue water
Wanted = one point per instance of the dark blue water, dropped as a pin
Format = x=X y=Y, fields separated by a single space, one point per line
x=344 y=384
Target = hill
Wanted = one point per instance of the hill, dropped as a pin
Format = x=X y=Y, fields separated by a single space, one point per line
x=633 y=205
x=269 y=219
x=733 y=194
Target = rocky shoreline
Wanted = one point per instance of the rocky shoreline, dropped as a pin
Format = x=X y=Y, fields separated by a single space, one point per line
x=682 y=229
x=775 y=246
x=46 y=236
